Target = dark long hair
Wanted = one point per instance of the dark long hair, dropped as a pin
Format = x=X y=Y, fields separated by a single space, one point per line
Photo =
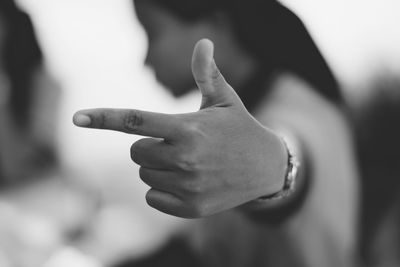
x=21 y=55
x=377 y=126
x=274 y=35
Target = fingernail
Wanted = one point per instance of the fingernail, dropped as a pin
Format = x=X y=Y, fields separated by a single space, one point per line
x=82 y=120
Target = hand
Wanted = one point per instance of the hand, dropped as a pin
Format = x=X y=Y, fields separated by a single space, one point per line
x=200 y=163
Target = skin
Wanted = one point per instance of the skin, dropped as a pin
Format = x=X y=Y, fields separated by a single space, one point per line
x=205 y=162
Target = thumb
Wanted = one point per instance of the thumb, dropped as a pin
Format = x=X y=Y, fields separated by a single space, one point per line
x=213 y=87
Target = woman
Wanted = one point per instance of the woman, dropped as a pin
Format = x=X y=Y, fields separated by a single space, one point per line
x=39 y=208
x=28 y=97
x=268 y=57
x=378 y=151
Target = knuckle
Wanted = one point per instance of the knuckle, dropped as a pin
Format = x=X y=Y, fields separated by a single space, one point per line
x=175 y=210
x=187 y=163
x=143 y=174
x=135 y=147
x=216 y=75
x=134 y=153
x=139 y=147
x=101 y=121
x=150 y=200
x=132 y=121
x=193 y=188
x=202 y=81
x=192 y=128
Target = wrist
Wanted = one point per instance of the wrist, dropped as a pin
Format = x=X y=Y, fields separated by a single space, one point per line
x=290 y=177
x=284 y=174
x=278 y=211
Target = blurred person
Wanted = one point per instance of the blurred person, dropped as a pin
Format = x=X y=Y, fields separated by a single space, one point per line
x=39 y=211
x=378 y=129
x=219 y=163
x=27 y=92
x=47 y=209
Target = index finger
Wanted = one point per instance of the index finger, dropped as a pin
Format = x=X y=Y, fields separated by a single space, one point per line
x=129 y=121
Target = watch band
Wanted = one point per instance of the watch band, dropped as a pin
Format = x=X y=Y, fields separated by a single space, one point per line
x=289 y=185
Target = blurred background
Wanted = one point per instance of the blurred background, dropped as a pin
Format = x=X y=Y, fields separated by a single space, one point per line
x=94 y=52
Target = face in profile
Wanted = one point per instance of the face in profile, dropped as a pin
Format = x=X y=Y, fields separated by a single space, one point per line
x=170 y=45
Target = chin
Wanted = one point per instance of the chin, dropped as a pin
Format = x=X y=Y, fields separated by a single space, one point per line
x=177 y=93
x=177 y=90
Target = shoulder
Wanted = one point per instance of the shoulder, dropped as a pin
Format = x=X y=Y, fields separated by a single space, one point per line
x=320 y=126
x=293 y=105
x=325 y=137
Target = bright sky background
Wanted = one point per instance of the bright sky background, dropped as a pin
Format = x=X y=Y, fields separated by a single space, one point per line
x=95 y=48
